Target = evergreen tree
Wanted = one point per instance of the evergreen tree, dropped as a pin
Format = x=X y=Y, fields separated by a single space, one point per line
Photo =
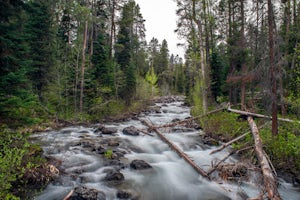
x=102 y=70
x=127 y=47
x=16 y=98
x=40 y=37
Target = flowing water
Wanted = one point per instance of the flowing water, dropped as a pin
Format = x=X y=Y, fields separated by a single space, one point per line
x=170 y=178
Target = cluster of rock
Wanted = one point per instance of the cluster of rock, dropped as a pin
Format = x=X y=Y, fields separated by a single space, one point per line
x=114 y=177
x=168 y=99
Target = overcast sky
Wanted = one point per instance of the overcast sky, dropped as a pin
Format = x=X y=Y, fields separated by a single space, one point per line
x=160 y=16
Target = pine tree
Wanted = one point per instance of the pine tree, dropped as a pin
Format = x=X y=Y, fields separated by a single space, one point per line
x=40 y=37
x=102 y=70
x=16 y=97
x=127 y=47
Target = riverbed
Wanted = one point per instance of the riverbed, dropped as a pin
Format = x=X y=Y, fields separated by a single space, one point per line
x=89 y=157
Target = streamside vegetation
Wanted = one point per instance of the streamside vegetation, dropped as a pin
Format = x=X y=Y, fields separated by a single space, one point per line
x=84 y=60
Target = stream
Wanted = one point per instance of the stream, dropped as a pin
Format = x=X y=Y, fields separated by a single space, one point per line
x=102 y=163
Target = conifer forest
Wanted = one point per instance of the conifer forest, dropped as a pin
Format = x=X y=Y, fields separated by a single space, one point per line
x=83 y=62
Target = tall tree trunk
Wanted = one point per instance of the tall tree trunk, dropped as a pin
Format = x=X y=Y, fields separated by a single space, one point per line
x=203 y=59
x=272 y=69
x=83 y=66
x=287 y=38
x=244 y=67
x=112 y=28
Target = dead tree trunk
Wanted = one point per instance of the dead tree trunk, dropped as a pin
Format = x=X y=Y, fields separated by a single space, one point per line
x=269 y=179
x=272 y=68
x=83 y=66
x=259 y=115
x=177 y=150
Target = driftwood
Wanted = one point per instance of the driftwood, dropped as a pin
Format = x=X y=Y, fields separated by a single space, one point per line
x=269 y=179
x=176 y=149
x=226 y=157
x=69 y=195
x=258 y=115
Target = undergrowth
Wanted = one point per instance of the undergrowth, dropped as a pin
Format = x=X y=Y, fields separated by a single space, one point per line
x=17 y=156
x=283 y=149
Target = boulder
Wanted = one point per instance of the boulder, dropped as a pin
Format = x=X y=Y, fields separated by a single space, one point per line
x=123 y=194
x=99 y=128
x=84 y=193
x=108 y=130
x=139 y=165
x=131 y=130
x=113 y=175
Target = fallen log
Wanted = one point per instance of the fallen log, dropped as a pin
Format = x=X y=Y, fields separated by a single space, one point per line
x=258 y=115
x=176 y=149
x=268 y=177
x=145 y=132
x=229 y=143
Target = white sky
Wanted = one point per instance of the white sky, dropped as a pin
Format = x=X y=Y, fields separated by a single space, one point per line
x=160 y=16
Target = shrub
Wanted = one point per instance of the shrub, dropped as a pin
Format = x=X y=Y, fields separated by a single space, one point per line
x=108 y=154
x=16 y=156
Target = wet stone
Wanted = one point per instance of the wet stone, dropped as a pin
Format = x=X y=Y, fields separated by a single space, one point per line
x=113 y=175
x=123 y=195
x=139 y=165
x=131 y=130
x=100 y=150
x=84 y=193
x=109 y=131
x=113 y=143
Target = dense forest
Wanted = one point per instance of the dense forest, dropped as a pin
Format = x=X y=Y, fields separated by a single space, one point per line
x=84 y=60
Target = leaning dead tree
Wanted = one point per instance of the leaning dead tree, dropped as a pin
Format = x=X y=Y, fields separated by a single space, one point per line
x=176 y=149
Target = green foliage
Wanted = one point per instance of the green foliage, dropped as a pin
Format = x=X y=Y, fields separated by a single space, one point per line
x=145 y=90
x=218 y=75
x=284 y=148
x=224 y=125
x=100 y=109
x=40 y=37
x=16 y=156
x=197 y=108
x=151 y=78
x=108 y=154
x=103 y=67
x=20 y=111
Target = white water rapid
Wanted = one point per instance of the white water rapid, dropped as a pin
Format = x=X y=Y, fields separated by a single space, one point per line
x=170 y=177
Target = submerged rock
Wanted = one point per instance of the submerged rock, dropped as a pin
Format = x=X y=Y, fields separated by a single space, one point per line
x=84 y=193
x=123 y=195
x=131 y=130
x=139 y=165
x=113 y=175
x=109 y=130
